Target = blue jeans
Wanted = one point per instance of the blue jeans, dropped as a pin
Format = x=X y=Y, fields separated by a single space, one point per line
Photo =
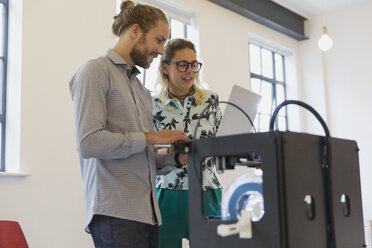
x=111 y=232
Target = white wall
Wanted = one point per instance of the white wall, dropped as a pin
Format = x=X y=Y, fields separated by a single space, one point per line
x=58 y=36
x=339 y=83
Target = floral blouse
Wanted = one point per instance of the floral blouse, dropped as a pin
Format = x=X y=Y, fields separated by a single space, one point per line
x=178 y=117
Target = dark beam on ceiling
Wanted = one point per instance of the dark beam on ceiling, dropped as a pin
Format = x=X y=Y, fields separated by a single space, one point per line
x=269 y=14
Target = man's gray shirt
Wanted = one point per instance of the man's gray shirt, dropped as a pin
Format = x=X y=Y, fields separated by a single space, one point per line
x=112 y=110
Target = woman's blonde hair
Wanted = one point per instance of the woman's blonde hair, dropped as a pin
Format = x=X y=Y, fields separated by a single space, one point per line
x=145 y=16
x=170 y=49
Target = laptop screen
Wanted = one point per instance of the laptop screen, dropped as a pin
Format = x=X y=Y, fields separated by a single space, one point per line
x=233 y=120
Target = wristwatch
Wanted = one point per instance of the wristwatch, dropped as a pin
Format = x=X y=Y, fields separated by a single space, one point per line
x=178 y=163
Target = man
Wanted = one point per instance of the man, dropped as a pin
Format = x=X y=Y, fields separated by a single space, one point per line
x=114 y=132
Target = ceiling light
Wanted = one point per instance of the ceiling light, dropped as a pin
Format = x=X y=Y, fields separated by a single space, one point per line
x=325 y=42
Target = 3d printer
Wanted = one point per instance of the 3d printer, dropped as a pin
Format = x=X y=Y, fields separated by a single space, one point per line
x=310 y=190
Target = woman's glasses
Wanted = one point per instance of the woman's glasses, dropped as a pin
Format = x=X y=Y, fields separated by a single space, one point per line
x=183 y=65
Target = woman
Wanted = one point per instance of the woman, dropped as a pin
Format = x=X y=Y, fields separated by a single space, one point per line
x=178 y=106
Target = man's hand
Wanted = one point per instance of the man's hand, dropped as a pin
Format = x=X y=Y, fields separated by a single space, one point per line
x=165 y=136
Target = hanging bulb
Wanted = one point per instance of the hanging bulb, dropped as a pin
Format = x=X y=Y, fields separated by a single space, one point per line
x=325 y=42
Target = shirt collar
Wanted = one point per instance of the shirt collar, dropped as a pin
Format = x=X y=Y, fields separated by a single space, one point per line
x=118 y=60
x=169 y=101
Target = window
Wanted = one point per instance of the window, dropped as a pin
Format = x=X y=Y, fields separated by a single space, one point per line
x=148 y=77
x=267 y=69
x=3 y=69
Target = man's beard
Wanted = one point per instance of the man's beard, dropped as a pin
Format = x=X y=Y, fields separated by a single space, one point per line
x=139 y=57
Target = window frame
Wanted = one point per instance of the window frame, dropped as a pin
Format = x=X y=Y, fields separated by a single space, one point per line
x=4 y=58
x=273 y=81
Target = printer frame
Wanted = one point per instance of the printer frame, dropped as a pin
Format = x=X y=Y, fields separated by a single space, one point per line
x=291 y=165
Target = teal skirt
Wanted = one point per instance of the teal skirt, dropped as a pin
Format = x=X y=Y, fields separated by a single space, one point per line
x=175 y=215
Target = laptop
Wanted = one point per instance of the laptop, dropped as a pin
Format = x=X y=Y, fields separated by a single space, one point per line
x=233 y=120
